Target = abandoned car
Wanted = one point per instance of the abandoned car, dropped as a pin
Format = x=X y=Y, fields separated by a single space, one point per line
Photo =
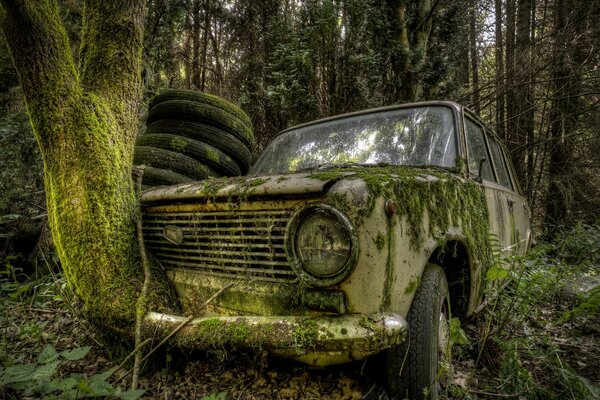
x=352 y=236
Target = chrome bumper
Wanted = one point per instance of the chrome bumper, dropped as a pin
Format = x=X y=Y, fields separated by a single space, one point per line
x=312 y=340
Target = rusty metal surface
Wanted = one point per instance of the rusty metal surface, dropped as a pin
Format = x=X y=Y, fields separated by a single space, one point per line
x=276 y=185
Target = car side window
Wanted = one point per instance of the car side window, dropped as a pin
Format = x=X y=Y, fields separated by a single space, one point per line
x=477 y=150
x=501 y=171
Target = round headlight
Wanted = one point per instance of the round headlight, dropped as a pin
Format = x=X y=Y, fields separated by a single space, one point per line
x=323 y=244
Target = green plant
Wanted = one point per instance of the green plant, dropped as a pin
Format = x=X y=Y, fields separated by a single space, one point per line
x=520 y=339
x=42 y=379
x=218 y=396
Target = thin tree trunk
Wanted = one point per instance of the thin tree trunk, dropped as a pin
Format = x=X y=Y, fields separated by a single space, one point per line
x=511 y=118
x=195 y=70
x=500 y=83
x=474 y=56
x=205 y=44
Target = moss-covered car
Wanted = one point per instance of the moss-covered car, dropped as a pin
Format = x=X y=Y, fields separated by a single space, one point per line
x=351 y=237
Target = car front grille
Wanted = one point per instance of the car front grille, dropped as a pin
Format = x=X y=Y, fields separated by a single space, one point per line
x=241 y=243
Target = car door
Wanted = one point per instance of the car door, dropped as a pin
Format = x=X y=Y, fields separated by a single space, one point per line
x=481 y=167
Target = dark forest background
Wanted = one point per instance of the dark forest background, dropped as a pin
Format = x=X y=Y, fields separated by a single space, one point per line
x=529 y=68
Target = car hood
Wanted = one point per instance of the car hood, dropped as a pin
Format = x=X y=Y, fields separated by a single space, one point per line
x=271 y=185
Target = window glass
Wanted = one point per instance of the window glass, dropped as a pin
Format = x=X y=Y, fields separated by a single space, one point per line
x=477 y=150
x=406 y=136
x=501 y=170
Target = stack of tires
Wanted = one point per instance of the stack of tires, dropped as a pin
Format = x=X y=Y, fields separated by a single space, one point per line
x=192 y=136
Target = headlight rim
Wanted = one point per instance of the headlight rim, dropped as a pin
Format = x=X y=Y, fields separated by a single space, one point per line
x=290 y=245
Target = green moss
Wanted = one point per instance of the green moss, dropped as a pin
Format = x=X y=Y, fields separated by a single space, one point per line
x=306 y=334
x=389 y=269
x=212 y=155
x=379 y=241
x=446 y=199
x=178 y=143
x=327 y=175
x=413 y=284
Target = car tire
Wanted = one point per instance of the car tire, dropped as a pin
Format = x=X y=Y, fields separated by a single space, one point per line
x=417 y=368
x=172 y=161
x=199 y=151
x=158 y=177
x=204 y=98
x=215 y=137
x=192 y=111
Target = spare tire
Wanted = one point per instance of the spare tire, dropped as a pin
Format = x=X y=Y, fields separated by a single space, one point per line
x=156 y=177
x=216 y=137
x=170 y=160
x=199 y=151
x=197 y=112
x=204 y=98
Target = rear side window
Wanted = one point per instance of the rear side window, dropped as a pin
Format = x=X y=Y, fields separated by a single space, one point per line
x=476 y=149
x=501 y=170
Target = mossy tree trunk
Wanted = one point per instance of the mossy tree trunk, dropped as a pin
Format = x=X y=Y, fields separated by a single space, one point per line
x=411 y=36
x=85 y=121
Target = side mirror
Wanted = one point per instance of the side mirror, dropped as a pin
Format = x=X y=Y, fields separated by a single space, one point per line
x=480 y=170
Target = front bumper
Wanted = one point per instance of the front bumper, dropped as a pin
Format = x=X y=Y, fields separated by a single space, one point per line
x=312 y=340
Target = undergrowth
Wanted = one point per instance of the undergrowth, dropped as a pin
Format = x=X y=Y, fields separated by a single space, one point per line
x=30 y=365
x=538 y=338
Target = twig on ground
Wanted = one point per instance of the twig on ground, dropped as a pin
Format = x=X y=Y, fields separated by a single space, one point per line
x=507 y=395
x=179 y=327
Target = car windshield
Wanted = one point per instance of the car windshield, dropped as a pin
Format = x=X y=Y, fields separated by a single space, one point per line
x=416 y=136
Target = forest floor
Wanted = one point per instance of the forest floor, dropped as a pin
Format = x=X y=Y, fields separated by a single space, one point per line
x=521 y=347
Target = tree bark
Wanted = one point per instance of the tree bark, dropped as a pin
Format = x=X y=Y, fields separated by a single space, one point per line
x=85 y=123
x=474 y=55
x=524 y=91
x=570 y=26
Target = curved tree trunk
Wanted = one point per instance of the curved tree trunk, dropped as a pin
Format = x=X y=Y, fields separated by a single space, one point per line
x=85 y=122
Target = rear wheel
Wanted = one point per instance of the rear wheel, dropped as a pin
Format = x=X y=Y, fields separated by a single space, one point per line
x=418 y=368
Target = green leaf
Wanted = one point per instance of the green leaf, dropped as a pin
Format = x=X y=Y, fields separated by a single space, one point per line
x=45 y=372
x=497 y=273
x=64 y=385
x=219 y=396
x=17 y=373
x=99 y=386
x=457 y=334
x=75 y=354
x=131 y=394
x=47 y=355
x=103 y=375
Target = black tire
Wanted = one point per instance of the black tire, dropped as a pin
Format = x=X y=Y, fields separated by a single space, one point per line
x=204 y=98
x=170 y=160
x=157 y=177
x=416 y=368
x=216 y=137
x=197 y=112
x=199 y=151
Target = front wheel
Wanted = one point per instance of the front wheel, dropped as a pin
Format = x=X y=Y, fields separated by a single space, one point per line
x=418 y=367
